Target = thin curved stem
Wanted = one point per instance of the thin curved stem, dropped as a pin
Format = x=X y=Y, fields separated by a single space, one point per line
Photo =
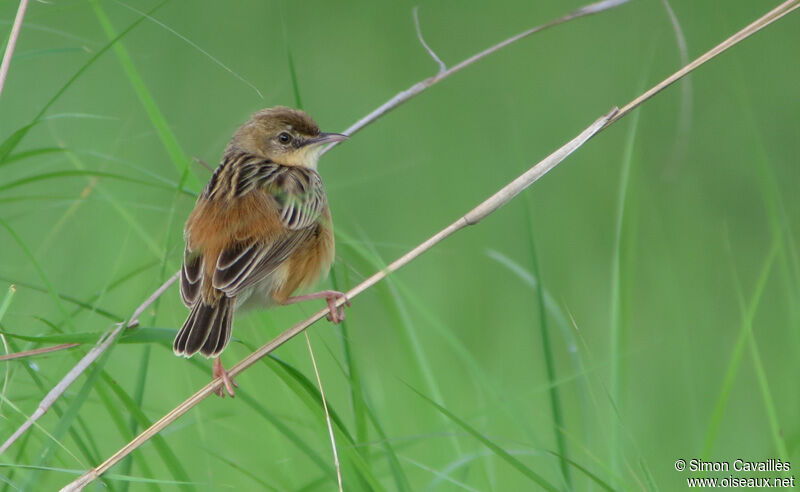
x=12 y=43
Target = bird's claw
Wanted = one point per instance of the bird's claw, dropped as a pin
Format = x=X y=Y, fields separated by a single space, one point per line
x=336 y=314
x=227 y=381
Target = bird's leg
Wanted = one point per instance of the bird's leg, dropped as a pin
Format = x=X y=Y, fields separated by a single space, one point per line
x=337 y=314
x=219 y=372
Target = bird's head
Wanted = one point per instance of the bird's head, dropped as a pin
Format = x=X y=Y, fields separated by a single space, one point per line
x=283 y=135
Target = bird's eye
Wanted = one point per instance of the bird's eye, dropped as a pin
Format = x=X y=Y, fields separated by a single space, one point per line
x=284 y=138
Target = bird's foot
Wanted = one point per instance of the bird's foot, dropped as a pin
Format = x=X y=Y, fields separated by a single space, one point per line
x=228 y=383
x=336 y=315
x=332 y=297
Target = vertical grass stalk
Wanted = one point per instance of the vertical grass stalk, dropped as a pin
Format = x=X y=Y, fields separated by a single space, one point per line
x=616 y=328
x=549 y=362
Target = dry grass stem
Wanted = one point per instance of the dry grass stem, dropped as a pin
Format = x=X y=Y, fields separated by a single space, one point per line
x=760 y=23
x=474 y=216
x=442 y=66
x=12 y=290
x=422 y=85
x=61 y=387
x=327 y=414
x=39 y=351
x=12 y=43
x=87 y=360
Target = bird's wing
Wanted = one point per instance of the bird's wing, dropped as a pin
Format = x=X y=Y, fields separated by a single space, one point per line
x=191 y=275
x=300 y=196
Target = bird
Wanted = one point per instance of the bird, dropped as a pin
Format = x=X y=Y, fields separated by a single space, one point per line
x=260 y=230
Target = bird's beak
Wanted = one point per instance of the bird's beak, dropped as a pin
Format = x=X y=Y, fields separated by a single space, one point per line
x=324 y=138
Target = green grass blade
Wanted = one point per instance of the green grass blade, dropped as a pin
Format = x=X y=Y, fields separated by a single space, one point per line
x=736 y=354
x=616 y=327
x=314 y=484
x=162 y=336
x=77 y=302
x=196 y=47
x=3 y=308
x=138 y=400
x=109 y=476
x=94 y=58
x=10 y=143
x=119 y=422
x=154 y=481
x=144 y=362
x=162 y=448
x=442 y=475
x=352 y=373
x=648 y=476
x=150 y=335
x=294 y=438
x=561 y=319
x=594 y=478
x=497 y=450
x=398 y=312
x=400 y=478
x=7 y=301
x=290 y=61
x=27 y=55
x=394 y=464
x=82 y=173
x=56 y=408
x=769 y=401
x=309 y=394
x=91 y=306
x=157 y=119
x=780 y=219
x=747 y=314
x=445 y=475
x=263 y=485
x=289 y=374
x=50 y=289
x=23 y=444
x=123 y=212
x=41 y=198
x=93 y=450
x=111 y=410
x=19 y=156
x=549 y=361
x=65 y=422
x=86 y=337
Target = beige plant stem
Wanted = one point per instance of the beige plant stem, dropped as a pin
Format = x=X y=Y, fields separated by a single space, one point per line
x=444 y=72
x=39 y=351
x=755 y=26
x=12 y=43
x=370 y=118
x=84 y=363
x=327 y=414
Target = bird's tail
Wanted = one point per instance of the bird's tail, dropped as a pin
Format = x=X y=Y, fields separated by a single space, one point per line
x=207 y=329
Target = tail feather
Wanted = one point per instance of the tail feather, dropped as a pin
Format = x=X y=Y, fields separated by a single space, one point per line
x=220 y=330
x=207 y=329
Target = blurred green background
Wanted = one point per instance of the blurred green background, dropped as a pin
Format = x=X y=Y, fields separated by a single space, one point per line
x=666 y=248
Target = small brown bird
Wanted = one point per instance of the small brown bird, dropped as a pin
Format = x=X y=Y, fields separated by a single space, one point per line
x=260 y=230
